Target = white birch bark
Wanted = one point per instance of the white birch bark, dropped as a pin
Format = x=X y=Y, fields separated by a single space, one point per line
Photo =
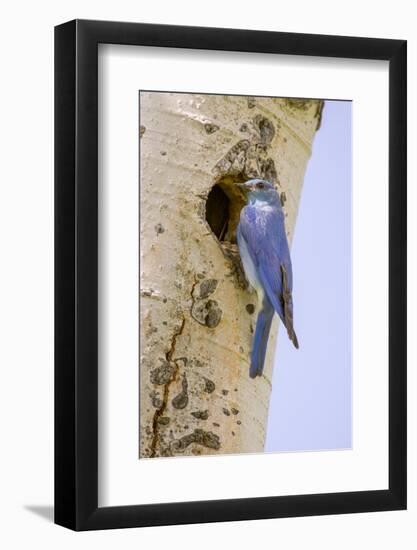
x=196 y=315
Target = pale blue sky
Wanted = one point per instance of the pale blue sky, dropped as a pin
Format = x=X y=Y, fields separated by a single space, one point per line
x=310 y=406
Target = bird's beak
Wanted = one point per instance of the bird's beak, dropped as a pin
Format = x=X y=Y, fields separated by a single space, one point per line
x=241 y=186
x=242 y=190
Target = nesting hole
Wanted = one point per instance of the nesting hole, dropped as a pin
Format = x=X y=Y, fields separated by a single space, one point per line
x=223 y=206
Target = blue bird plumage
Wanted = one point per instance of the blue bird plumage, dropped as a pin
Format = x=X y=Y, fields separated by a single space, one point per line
x=265 y=255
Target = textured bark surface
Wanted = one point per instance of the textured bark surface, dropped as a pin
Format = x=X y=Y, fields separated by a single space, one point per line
x=197 y=315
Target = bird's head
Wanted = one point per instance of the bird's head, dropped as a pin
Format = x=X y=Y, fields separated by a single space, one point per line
x=258 y=189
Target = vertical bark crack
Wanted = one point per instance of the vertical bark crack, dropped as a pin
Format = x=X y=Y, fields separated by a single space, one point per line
x=159 y=412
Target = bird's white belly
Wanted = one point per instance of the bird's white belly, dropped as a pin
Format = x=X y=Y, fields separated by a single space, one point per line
x=250 y=269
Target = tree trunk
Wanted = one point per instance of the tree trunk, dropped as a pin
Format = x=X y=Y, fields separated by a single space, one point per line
x=197 y=316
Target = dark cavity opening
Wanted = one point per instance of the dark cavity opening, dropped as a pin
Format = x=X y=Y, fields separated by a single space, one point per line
x=223 y=206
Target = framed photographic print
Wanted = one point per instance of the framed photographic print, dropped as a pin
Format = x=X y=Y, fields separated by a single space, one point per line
x=230 y=275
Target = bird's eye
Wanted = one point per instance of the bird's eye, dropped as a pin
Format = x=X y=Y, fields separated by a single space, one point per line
x=260 y=185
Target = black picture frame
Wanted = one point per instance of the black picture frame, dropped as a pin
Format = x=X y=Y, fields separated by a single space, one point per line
x=76 y=272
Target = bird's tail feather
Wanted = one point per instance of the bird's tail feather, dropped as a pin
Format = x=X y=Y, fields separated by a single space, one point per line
x=260 y=342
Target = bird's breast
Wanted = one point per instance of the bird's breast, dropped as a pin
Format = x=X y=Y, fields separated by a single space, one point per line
x=249 y=267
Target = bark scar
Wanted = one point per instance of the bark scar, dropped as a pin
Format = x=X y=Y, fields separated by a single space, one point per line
x=204 y=310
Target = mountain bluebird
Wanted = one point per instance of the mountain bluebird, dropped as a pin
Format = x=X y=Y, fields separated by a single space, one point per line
x=265 y=254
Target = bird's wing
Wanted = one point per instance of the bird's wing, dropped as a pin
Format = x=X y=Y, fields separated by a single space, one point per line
x=264 y=233
x=288 y=307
